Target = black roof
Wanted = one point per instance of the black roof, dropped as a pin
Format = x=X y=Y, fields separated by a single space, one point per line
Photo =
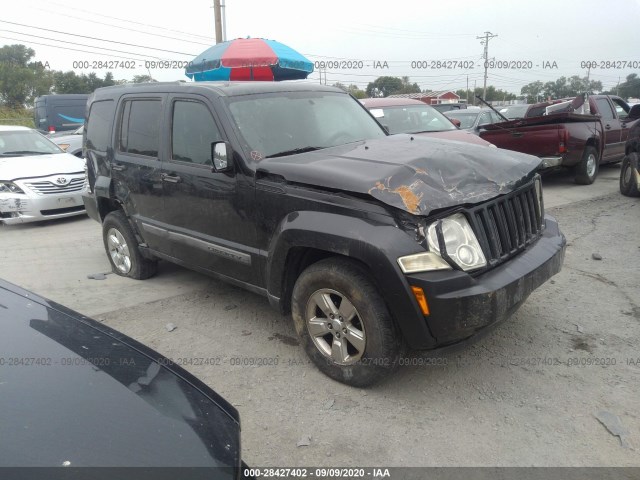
x=229 y=89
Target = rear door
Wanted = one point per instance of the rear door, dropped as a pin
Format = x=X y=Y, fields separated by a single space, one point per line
x=614 y=146
x=208 y=214
x=135 y=171
x=540 y=140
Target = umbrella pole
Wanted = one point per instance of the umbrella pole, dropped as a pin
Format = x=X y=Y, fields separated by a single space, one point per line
x=251 y=70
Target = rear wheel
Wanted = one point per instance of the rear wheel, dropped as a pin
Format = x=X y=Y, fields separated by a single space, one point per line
x=587 y=170
x=344 y=324
x=629 y=175
x=122 y=248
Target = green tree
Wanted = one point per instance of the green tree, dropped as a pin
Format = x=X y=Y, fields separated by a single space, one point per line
x=142 y=79
x=384 y=86
x=21 y=80
x=352 y=89
x=630 y=88
x=533 y=91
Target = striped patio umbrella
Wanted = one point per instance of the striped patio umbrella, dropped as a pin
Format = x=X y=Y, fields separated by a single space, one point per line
x=249 y=59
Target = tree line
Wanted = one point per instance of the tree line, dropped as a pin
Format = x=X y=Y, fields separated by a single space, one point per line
x=534 y=92
x=22 y=79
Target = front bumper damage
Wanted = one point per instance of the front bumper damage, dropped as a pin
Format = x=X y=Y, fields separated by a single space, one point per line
x=461 y=305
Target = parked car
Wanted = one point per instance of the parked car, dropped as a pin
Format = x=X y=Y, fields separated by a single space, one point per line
x=77 y=393
x=630 y=170
x=56 y=113
x=445 y=107
x=38 y=180
x=406 y=115
x=294 y=191
x=69 y=142
x=472 y=120
x=563 y=138
x=515 y=111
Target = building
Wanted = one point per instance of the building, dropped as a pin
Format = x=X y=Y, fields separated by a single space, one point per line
x=432 y=98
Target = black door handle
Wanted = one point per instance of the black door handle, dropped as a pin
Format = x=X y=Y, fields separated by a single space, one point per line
x=118 y=167
x=170 y=178
x=517 y=134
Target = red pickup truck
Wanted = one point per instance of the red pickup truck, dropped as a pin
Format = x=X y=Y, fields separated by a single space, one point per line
x=568 y=139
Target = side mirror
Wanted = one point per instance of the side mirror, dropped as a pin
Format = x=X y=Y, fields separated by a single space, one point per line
x=456 y=122
x=386 y=128
x=221 y=152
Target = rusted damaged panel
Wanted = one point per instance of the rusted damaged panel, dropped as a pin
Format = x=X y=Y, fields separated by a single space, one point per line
x=417 y=175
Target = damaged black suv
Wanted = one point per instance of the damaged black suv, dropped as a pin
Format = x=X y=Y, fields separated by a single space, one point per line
x=372 y=242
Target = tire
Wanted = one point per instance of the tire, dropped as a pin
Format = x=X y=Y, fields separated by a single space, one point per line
x=628 y=175
x=122 y=248
x=587 y=170
x=359 y=348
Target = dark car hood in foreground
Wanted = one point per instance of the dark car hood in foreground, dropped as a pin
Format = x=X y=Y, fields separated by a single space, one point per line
x=416 y=174
x=73 y=390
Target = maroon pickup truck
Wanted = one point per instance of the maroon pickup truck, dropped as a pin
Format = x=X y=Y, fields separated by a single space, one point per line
x=564 y=138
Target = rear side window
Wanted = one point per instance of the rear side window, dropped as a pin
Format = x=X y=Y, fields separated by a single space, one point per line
x=605 y=108
x=140 y=128
x=192 y=132
x=98 y=128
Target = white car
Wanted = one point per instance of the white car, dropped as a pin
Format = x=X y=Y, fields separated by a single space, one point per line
x=38 y=180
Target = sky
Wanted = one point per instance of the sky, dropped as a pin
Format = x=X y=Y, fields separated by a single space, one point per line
x=435 y=44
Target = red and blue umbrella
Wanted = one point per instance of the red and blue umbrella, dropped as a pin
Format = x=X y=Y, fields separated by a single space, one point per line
x=249 y=59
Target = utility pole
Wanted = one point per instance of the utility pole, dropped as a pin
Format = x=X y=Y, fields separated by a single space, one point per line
x=218 y=20
x=485 y=41
x=467 y=89
x=224 y=20
x=474 y=92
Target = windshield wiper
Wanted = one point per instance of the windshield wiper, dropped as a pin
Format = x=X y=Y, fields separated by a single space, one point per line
x=25 y=152
x=294 y=151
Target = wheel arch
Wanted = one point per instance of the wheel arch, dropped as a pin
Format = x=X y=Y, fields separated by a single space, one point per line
x=305 y=238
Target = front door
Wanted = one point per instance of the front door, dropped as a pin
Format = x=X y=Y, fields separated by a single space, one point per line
x=208 y=214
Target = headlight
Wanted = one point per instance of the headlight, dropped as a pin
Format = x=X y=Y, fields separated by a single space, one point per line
x=9 y=187
x=422 y=262
x=460 y=243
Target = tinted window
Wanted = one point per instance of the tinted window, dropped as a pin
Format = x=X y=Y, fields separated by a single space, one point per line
x=604 y=108
x=140 y=129
x=192 y=132
x=99 y=125
x=413 y=119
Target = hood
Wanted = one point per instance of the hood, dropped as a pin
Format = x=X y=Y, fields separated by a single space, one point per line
x=96 y=398
x=14 y=168
x=416 y=174
x=457 y=135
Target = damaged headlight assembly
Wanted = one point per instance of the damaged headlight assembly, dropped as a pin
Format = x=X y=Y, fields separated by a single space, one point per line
x=450 y=238
x=9 y=187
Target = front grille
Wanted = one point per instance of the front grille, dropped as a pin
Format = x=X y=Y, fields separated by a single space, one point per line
x=60 y=211
x=506 y=225
x=51 y=188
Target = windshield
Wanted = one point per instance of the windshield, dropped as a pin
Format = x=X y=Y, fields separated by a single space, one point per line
x=292 y=122
x=19 y=143
x=467 y=119
x=412 y=119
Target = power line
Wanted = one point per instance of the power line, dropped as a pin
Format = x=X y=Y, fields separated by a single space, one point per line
x=94 y=38
x=75 y=43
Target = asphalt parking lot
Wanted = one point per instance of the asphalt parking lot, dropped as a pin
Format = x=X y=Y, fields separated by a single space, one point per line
x=528 y=393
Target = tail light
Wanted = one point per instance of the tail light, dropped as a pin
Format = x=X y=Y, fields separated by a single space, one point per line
x=563 y=135
x=52 y=129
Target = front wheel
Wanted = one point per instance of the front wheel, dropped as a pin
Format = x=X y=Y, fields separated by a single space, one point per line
x=587 y=170
x=122 y=248
x=629 y=175
x=344 y=324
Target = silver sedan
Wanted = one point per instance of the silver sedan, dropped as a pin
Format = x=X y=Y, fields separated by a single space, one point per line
x=38 y=180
